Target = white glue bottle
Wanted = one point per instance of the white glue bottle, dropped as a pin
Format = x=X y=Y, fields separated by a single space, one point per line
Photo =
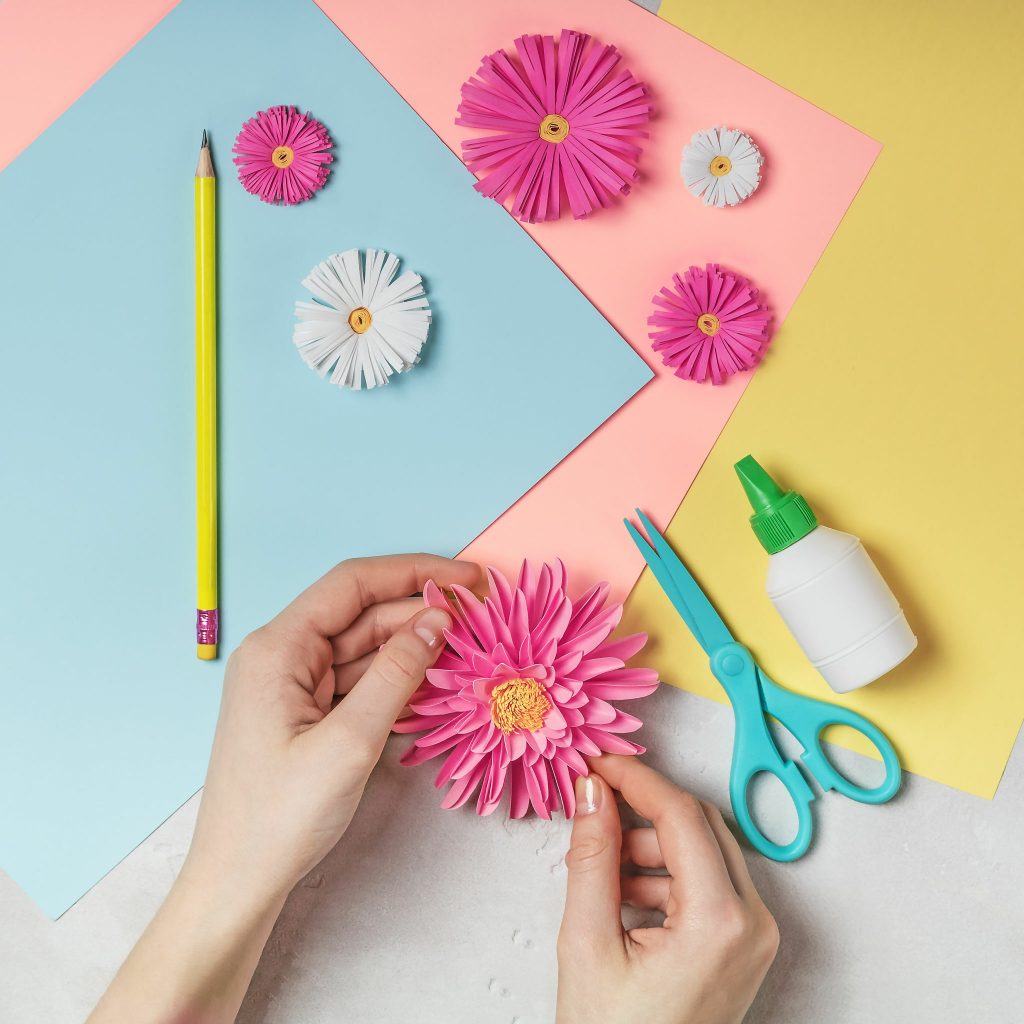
x=825 y=587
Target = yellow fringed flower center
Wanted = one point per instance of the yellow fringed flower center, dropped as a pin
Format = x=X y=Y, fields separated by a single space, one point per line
x=720 y=166
x=282 y=156
x=554 y=128
x=360 y=319
x=709 y=324
x=519 y=704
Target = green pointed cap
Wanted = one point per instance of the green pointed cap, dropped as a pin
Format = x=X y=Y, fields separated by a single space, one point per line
x=780 y=517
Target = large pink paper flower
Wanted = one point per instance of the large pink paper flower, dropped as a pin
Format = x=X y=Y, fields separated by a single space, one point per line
x=283 y=156
x=565 y=119
x=521 y=692
x=709 y=324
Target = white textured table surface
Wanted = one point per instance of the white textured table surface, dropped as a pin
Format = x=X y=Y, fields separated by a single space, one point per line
x=909 y=912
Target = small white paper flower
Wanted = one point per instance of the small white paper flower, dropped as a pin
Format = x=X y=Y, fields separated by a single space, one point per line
x=722 y=166
x=365 y=323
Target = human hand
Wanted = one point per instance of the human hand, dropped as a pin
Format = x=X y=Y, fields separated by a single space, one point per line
x=285 y=777
x=287 y=772
x=705 y=965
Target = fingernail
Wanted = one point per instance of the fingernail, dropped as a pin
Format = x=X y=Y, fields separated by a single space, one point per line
x=430 y=626
x=588 y=795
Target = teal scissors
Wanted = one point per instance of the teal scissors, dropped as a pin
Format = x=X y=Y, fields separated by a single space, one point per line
x=753 y=696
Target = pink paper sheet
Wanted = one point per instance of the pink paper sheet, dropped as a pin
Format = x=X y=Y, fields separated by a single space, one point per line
x=648 y=453
x=51 y=51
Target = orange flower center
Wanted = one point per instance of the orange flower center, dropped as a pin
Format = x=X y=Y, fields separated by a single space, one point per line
x=709 y=324
x=519 y=704
x=360 y=319
x=720 y=166
x=554 y=128
x=282 y=156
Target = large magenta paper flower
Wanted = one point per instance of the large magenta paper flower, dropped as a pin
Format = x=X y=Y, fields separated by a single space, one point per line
x=283 y=156
x=565 y=121
x=709 y=324
x=522 y=692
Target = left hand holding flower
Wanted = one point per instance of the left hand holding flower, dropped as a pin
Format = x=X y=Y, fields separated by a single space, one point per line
x=287 y=772
x=286 y=775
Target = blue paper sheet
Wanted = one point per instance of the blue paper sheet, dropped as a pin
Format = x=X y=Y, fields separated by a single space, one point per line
x=106 y=716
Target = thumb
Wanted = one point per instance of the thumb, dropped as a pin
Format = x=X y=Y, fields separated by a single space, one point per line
x=371 y=707
x=592 y=901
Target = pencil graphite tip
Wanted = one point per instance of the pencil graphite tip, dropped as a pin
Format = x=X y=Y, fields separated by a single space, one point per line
x=206 y=141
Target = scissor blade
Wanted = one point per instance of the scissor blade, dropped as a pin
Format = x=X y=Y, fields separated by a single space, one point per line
x=665 y=581
x=705 y=623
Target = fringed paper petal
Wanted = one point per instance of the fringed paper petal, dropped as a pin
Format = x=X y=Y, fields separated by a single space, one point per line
x=565 y=121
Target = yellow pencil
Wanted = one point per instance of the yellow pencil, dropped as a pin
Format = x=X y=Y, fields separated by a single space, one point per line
x=206 y=405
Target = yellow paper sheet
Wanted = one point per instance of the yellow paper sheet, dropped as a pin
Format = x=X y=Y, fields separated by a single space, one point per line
x=891 y=398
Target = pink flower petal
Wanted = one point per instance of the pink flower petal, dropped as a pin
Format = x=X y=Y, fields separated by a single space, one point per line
x=476 y=617
x=623 y=723
x=453 y=761
x=417 y=755
x=413 y=723
x=493 y=784
x=538 y=787
x=626 y=690
x=447 y=679
x=564 y=782
x=612 y=744
x=501 y=591
x=571 y=757
x=593 y=667
x=597 y=711
x=589 y=605
x=582 y=742
x=462 y=789
x=519 y=796
x=487 y=739
x=623 y=648
x=597 y=630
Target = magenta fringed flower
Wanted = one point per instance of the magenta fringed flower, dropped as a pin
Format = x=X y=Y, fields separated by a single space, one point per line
x=523 y=691
x=283 y=156
x=565 y=120
x=709 y=324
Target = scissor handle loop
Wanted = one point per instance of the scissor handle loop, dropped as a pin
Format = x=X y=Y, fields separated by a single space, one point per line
x=802 y=795
x=822 y=768
x=807 y=718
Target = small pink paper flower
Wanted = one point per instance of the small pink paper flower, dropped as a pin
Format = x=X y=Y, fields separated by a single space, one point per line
x=710 y=324
x=521 y=692
x=283 y=156
x=564 y=118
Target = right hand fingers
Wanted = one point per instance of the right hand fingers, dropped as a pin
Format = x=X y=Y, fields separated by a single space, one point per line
x=592 y=918
x=640 y=847
x=691 y=850
x=732 y=854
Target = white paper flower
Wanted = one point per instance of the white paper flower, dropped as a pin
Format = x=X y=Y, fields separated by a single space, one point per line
x=365 y=324
x=722 y=166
